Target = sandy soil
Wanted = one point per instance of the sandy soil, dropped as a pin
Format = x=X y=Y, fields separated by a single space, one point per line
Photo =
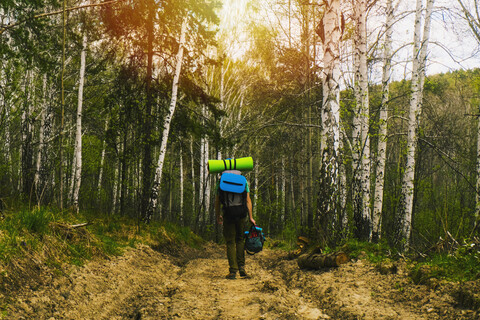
x=146 y=284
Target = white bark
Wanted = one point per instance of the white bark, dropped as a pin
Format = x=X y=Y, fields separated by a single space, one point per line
x=477 y=197
x=342 y=181
x=25 y=150
x=192 y=169
x=331 y=77
x=41 y=137
x=382 y=127
x=207 y=180
x=116 y=177
x=418 y=70
x=331 y=99
x=361 y=122
x=204 y=197
x=166 y=124
x=182 y=181
x=78 y=132
x=284 y=191
x=5 y=105
x=102 y=158
x=201 y=189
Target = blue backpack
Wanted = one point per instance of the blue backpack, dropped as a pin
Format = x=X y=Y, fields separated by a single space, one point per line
x=233 y=196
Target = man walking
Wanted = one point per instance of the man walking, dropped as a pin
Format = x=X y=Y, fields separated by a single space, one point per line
x=236 y=206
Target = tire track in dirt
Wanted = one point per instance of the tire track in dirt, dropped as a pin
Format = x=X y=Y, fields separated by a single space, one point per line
x=146 y=284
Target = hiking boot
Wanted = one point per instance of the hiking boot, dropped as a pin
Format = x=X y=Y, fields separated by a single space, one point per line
x=231 y=276
x=244 y=275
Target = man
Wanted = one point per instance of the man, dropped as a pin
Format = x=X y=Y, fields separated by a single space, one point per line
x=235 y=212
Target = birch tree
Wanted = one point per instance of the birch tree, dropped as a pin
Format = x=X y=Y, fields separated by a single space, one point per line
x=361 y=140
x=43 y=136
x=382 y=126
x=182 y=181
x=78 y=132
x=418 y=76
x=27 y=169
x=473 y=19
x=102 y=157
x=330 y=31
x=166 y=126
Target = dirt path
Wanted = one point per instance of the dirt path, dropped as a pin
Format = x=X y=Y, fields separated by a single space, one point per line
x=145 y=284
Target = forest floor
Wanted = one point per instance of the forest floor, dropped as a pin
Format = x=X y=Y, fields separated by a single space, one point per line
x=185 y=283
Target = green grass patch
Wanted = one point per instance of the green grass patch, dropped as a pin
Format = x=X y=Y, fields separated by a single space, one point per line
x=166 y=233
x=374 y=252
x=452 y=267
x=36 y=220
x=79 y=253
x=462 y=265
x=110 y=245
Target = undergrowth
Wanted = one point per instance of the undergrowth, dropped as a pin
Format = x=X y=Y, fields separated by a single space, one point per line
x=461 y=264
x=49 y=240
x=48 y=232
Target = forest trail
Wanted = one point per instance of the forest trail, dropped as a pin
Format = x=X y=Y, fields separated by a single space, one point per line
x=146 y=284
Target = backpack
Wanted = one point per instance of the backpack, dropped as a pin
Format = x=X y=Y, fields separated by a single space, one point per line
x=233 y=195
x=254 y=239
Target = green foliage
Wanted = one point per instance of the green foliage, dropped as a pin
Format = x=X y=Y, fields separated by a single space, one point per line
x=374 y=252
x=462 y=265
x=168 y=232
x=36 y=220
x=24 y=230
x=79 y=253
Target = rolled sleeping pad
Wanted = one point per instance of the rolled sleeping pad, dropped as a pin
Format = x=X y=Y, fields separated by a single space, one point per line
x=242 y=164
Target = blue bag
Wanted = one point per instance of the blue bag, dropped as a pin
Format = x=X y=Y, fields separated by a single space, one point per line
x=231 y=182
x=254 y=239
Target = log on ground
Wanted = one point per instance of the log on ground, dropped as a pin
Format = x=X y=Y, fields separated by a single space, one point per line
x=321 y=260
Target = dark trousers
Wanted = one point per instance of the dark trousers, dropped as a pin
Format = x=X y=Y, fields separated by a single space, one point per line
x=233 y=232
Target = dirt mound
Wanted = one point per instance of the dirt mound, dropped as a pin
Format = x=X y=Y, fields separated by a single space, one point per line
x=147 y=284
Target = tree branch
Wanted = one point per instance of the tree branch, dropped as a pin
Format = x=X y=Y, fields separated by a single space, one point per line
x=47 y=14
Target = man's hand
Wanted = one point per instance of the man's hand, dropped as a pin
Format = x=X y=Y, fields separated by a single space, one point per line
x=252 y=221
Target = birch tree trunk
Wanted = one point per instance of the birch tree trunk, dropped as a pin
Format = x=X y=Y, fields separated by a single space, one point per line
x=361 y=128
x=166 y=128
x=204 y=181
x=147 y=125
x=382 y=126
x=78 y=133
x=330 y=115
x=27 y=170
x=102 y=158
x=4 y=105
x=116 y=177
x=208 y=184
x=284 y=191
x=62 y=120
x=201 y=182
x=192 y=169
x=182 y=181
x=418 y=70
x=342 y=218
x=477 y=196
x=41 y=143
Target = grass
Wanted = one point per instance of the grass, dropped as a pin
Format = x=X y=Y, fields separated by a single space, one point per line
x=461 y=265
x=374 y=252
x=33 y=230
